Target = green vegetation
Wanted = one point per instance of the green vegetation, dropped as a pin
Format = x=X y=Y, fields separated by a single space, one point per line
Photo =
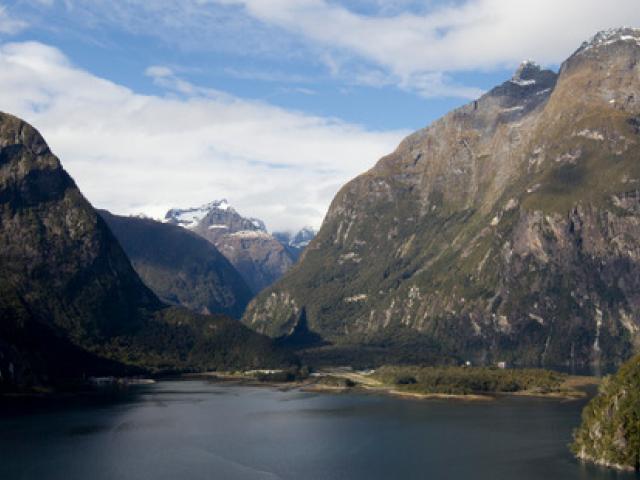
x=336 y=382
x=72 y=306
x=610 y=430
x=179 y=266
x=470 y=380
x=177 y=340
x=291 y=374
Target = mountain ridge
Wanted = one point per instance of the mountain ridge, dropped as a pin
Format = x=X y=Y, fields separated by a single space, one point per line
x=181 y=267
x=71 y=304
x=466 y=235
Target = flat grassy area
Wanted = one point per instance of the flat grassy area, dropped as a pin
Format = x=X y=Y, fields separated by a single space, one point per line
x=465 y=383
x=479 y=380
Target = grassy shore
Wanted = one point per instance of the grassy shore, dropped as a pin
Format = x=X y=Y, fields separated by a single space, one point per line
x=461 y=383
x=478 y=381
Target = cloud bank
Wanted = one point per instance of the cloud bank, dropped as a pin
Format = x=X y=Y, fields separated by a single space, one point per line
x=415 y=45
x=448 y=36
x=134 y=153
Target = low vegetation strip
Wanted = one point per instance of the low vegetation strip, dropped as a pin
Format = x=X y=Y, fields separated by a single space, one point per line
x=470 y=380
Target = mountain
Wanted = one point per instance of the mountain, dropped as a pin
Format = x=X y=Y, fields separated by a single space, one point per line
x=70 y=303
x=508 y=230
x=217 y=216
x=610 y=430
x=179 y=266
x=297 y=242
x=245 y=242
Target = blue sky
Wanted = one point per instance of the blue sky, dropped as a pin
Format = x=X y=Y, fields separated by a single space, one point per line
x=285 y=70
x=275 y=103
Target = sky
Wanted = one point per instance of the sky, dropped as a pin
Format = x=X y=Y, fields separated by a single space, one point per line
x=272 y=104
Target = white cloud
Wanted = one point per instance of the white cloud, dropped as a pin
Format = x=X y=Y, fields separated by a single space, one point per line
x=461 y=36
x=417 y=44
x=135 y=153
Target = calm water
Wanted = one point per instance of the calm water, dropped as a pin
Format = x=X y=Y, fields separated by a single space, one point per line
x=199 y=430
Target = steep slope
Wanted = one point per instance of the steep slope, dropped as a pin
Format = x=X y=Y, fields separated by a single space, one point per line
x=69 y=298
x=245 y=242
x=507 y=230
x=179 y=266
x=610 y=430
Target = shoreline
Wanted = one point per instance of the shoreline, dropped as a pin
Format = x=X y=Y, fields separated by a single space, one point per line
x=330 y=381
x=574 y=387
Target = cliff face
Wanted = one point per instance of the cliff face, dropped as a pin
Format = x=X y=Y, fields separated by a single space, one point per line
x=610 y=430
x=180 y=267
x=507 y=230
x=260 y=258
x=70 y=302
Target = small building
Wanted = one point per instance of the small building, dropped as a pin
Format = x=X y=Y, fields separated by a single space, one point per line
x=502 y=365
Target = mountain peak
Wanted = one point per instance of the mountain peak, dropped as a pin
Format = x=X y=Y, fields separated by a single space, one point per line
x=611 y=36
x=439 y=243
x=527 y=73
x=190 y=217
x=222 y=204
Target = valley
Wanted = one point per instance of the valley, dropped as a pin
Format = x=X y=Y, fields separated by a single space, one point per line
x=448 y=288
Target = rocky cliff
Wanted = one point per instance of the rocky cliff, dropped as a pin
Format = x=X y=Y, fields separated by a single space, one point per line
x=71 y=305
x=507 y=230
x=259 y=257
x=610 y=430
x=179 y=266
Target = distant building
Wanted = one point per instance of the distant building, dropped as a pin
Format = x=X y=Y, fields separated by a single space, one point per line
x=502 y=365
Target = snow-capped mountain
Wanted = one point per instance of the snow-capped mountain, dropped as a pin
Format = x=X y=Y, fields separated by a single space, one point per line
x=611 y=36
x=259 y=257
x=295 y=243
x=190 y=217
x=303 y=237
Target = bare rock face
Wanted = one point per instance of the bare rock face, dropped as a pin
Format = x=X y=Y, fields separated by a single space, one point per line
x=71 y=305
x=507 y=230
x=259 y=257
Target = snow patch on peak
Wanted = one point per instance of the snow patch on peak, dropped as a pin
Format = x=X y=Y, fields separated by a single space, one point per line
x=526 y=73
x=259 y=224
x=190 y=217
x=220 y=204
x=611 y=36
x=523 y=83
x=528 y=64
x=303 y=237
x=186 y=217
x=251 y=234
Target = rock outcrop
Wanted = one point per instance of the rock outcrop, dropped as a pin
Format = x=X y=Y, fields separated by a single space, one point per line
x=507 y=230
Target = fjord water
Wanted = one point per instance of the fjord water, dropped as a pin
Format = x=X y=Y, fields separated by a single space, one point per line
x=201 y=430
